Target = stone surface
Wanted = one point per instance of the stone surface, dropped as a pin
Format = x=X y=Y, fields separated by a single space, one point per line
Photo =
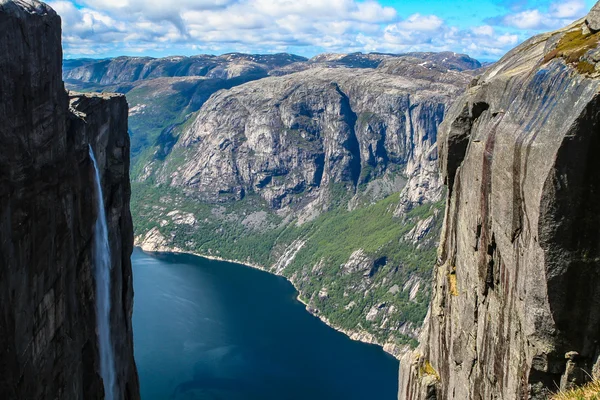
x=288 y=137
x=130 y=69
x=593 y=18
x=517 y=283
x=48 y=344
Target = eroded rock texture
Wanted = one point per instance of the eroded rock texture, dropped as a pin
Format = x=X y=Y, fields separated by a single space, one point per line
x=288 y=137
x=48 y=344
x=516 y=307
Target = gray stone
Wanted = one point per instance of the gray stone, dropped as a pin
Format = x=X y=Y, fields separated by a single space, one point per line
x=593 y=18
x=518 y=277
x=287 y=138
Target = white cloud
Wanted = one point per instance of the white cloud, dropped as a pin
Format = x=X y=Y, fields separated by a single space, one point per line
x=418 y=22
x=567 y=9
x=484 y=30
x=529 y=19
x=100 y=27
x=558 y=14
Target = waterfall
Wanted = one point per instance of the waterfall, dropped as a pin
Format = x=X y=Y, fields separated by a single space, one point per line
x=102 y=267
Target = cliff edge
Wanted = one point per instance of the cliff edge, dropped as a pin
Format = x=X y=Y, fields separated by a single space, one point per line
x=48 y=344
x=515 y=312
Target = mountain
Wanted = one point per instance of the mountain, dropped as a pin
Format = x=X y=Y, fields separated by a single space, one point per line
x=48 y=207
x=327 y=176
x=313 y=169
x=515 y=311
x=163 y=92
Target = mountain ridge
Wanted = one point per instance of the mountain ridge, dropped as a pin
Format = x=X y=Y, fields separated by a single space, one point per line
x=513 y=313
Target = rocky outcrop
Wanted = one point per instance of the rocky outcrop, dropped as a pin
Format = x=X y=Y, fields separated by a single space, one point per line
x=163 y=93
x=129 y=69
x=515 y=309
x=48 y=344
x=290 y=138
x=300 y=173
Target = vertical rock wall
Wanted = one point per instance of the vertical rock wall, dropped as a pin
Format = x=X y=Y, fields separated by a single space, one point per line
x=48 y=344
x=516 y=306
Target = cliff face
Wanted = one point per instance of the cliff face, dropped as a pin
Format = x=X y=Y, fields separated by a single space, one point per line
x=515 y=312
x=130 y=69
x=164 y=92
x=301 y=174
x=286 y=138
x=48 y=344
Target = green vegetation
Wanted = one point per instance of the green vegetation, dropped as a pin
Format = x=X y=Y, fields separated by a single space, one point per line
x=452 y=284
x=572 y=46
x=249 y=231
x=155 y=114
x=590 y=391
x=427 y=369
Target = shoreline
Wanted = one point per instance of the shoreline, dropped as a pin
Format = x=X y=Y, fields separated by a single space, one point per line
x=357 y=336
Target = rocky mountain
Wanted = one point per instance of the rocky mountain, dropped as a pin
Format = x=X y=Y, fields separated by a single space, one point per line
x=327 y=176
x=130 y=69
x=163 y=92
x=261 y=157
x=48 y=342
x=515 y=308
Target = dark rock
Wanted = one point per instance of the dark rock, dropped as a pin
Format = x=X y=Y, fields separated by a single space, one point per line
x=48 y=344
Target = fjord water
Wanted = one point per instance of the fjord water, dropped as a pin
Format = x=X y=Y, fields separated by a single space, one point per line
x=102 y=269
x=207 y=329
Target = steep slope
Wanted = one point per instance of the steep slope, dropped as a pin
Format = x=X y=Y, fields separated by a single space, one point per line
x=300 y=174
x=48 y=344
x=515 y=312
x=162 y=92
x=130 y=69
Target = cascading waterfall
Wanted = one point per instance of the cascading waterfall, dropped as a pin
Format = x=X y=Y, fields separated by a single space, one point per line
x=102 y=267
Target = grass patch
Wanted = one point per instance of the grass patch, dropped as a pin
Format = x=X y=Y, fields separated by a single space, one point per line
x=452 y=284
x=427 y=369
x=572 y=46
x=590 y=391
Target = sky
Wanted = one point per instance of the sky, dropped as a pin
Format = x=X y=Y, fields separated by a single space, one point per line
x=483 y=29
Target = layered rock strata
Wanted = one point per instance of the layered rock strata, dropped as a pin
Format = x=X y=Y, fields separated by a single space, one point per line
x=515 y=312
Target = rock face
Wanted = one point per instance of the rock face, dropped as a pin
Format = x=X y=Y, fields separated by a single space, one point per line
x=130 y=69
x=300 y=173
x=164 y=92
x=288 y=137
x=48 y=344
x=515 y=312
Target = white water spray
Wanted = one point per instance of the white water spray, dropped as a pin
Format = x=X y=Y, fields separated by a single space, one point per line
x=102 y=267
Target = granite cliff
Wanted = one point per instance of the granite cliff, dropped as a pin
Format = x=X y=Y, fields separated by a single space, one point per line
x=163 y=92
x=327 y=176
x=515 y=311
x=48 y=344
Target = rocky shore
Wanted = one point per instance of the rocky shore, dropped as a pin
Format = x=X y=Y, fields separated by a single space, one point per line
x=361 y=336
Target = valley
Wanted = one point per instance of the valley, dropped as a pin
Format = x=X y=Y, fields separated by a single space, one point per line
x=323 y=172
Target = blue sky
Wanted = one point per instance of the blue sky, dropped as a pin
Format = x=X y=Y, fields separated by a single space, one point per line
x=484 y=29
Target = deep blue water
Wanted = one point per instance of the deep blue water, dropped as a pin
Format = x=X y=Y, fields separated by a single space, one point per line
x=207 y=329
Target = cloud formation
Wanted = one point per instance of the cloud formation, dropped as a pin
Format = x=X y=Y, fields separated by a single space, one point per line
x=558 y=14
x=101 y=28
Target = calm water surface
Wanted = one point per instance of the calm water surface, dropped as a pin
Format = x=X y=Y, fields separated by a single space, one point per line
x=207 y=329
